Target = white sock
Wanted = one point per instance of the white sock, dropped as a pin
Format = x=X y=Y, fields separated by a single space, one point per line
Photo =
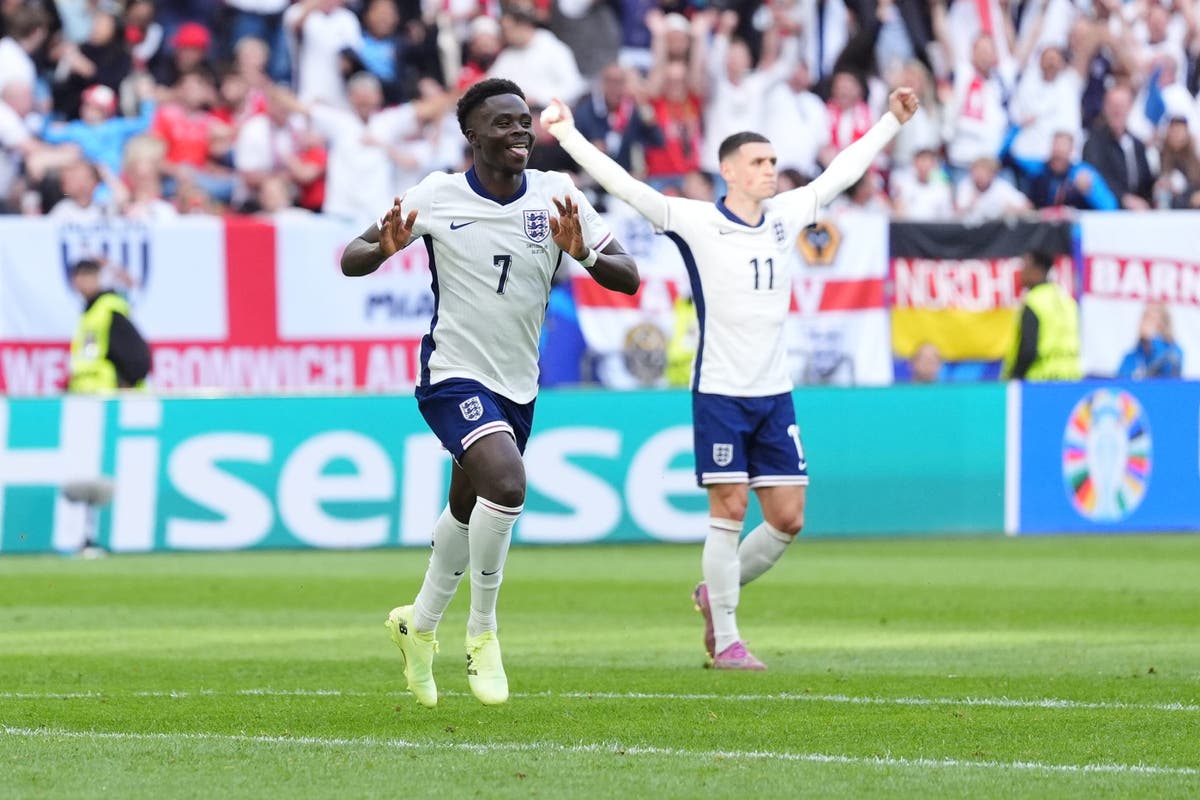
x=759 y=551
x=490 y=533
x=447 y=563
x=721 y=572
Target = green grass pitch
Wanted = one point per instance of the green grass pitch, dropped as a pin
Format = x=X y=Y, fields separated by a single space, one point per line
x=1055 y=667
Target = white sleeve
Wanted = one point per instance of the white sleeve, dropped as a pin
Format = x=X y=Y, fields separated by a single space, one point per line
x=420 y=199
x=615 y=180
x=596 y=233
x=850 y=164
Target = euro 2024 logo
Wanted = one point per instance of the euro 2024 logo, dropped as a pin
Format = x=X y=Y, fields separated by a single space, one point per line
x=122 y=247
x=1107 y=455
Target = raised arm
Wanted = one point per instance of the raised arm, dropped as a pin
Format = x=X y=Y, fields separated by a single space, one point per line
x=557 y=119
x=853 y=162
x=379 y=242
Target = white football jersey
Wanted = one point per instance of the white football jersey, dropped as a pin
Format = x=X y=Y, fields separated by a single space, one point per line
x=491 y=263
x=742 y=288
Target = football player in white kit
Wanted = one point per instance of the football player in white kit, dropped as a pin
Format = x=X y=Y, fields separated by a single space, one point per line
x=495 y=236
x=737 y=253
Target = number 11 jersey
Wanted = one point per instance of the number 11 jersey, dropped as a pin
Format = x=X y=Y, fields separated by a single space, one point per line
x=492 y=262
x=742 y=289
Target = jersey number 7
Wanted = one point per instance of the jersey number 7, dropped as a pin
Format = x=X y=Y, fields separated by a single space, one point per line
x=503 y=262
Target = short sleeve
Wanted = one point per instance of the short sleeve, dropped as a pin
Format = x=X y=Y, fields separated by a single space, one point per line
x=796 y=207
x=596 y=232
x=420 y=199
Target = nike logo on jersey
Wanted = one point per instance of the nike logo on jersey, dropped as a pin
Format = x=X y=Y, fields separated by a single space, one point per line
x=723 y=233
x=454 y=226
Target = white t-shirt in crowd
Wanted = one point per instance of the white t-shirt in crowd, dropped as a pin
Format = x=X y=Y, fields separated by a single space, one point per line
x=1054 y=105
x=317 y=44
x=930 y=201
x=359 y=175
x=798 y=127
x=1000 y=198
x=544 y=69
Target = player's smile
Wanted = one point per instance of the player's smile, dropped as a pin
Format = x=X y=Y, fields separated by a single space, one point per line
x=506 y=135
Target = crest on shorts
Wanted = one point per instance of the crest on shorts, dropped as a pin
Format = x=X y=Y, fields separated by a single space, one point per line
x=537 y=224
x=471 y=408
x=722 y=454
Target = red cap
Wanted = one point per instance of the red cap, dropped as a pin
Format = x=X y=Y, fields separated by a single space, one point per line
x=191 y=34
x=101 y=95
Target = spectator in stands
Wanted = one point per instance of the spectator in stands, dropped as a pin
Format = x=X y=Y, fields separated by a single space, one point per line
x=1117 y=155
x=79 y=181
x=1156 y=355
x=261 y=20
x=362 y=145
x=865 y=194
x=975 y=121
x=483 y=45
x=142 y=198
x=983 y=195
x=924 y=130
x=250 y=59
x=277 y=199
x=618 y=118
x=425 y=136
x=380 y=53
x=28 y=27
x=144 y=36
x=321 y=31
x=1178 y=184
x=103 y=59
x=107 y=352
x=545 y=66
x=98 y=132
x=1062 y=181
x=849 y=115
x=677 y=110
x=926 y=364
x=698 y=185
x=194 y=137
x=189 y=53
x=21 y=150
x=737 y=90
x=1046 y=103
x=921 y=193
x=1046 y=342
x=797 y=123
x=591 y=30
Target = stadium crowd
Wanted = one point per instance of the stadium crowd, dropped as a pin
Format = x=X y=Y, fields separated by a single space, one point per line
x=153 y=108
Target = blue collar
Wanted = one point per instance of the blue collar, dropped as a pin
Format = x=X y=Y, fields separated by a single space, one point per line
x=477 y=187
x=732 y=217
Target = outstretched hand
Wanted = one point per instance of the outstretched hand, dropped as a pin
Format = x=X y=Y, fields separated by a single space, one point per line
x=557 y=119
x=395 y=230
x=903 y=103
x=566 y=230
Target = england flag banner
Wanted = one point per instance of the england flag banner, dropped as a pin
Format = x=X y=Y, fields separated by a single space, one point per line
x=1130 y=261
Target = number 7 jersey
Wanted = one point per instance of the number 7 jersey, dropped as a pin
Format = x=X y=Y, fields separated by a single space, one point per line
x=742 y=289
x=491 y=263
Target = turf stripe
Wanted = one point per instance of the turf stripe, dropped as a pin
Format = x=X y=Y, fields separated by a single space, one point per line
x=992 y=702
x=602 y=748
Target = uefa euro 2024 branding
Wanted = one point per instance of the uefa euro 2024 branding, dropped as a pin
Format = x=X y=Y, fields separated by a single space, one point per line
x=1107 y=455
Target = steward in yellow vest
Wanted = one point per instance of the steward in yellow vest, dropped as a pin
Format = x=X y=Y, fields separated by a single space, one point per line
x=107 y=352
x=1046 y=344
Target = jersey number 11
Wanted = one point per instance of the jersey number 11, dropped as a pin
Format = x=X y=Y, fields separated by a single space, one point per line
x=770 y=265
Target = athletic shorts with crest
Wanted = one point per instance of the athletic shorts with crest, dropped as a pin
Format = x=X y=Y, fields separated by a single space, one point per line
x=752 y=440
x=460 y=412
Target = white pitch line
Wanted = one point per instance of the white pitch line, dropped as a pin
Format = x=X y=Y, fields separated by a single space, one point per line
x=986 y=702
x=604 y=749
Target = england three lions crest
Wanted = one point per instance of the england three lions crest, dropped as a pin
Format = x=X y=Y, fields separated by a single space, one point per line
x=472 y=409
x=537 y=224
x=722 y=454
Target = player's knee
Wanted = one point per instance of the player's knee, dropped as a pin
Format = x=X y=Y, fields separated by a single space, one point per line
x=789 y=524
x=506 y=490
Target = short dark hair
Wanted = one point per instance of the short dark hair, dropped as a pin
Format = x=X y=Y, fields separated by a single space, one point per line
x=87 y=265
x=1041 y=259
x=25 y=20
x=732 y=143
x=474 y=97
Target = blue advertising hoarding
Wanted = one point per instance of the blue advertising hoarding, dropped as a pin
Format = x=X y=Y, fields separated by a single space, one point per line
x=1110 y=456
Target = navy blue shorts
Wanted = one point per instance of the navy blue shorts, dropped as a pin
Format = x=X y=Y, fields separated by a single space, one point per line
x=752 y=440
x=460 y=412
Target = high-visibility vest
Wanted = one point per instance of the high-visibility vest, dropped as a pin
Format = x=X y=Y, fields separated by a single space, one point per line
x=681 y=350
x=1058 y=335
x=91 y=371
